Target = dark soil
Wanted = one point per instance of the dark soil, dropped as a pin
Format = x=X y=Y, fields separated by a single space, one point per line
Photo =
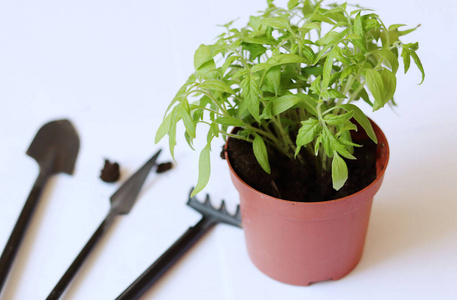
x=164 y=167
x=293 y=181
x=110 y=172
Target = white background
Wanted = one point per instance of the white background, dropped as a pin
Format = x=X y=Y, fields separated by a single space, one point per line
x=112 y=67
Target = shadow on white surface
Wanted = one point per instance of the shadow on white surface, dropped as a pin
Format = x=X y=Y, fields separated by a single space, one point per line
x=413 y=219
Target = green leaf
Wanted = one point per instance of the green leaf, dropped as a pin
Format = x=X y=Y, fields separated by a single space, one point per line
x=189 y=140
x=321 y=18
x=201 y=56
x=364 y=95
x=328 y=69
x=260 y=152
x=358 y=26
x=317 y=145
x=346 y=139
x=308 y=132
x=280 y=59
x=413 y=46
x=230 y=121
x=207 y=70
x=216 y=85
x=353 y=36
x=388 y=56
x=331 y=38
x=250 y=92
x=336 y=120
x=337 y=9
x=163 y=128
x=406 y=55
x=359 y=10
x=405 y=32
x=172 y=130
x=261 y=40
x=395 y=26
x=360 y=44
x=273 y=78
x=339 y=56
x=240 y=73
x=307 y=102
x=335 y=94
x=322 y=53
x=349 y=70
x=181 y=94
x=276 y=22
x=255 y=24
x=339 y=171
x=316 y=71
x=308 y=8
x=283 y=103
x=228 y=62
x=369 y=23
x=418 y=63
x=197 y=108
x=204 y=169
x=255 y=50
x=291 y=4
x=308 y=53
x=390 y=85
x=376 y=85
x=331 y=144
x=213 y=131
x=326 y=142
x=189 y=123
x=316 y=85
x=311 y=25
x=362 y=119
x=283 y=59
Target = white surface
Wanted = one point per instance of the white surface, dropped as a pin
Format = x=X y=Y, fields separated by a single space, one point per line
x=112 y=67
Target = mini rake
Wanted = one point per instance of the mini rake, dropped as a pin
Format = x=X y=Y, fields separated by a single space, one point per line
x=210 y=217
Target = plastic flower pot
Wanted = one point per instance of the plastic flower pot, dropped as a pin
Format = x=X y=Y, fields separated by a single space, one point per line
x=300 y=243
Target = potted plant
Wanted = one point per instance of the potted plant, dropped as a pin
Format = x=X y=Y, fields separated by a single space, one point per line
x=304 y=157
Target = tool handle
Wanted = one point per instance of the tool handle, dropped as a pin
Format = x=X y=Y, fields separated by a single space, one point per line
x=17 y=235
x=79 y=260
x=166 y=260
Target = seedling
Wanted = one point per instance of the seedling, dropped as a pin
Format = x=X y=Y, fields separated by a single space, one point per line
x=291 y=79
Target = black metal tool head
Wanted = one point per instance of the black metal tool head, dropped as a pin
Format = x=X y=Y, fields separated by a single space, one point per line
x=217 y=214
x=124 y=198
x=59 y=139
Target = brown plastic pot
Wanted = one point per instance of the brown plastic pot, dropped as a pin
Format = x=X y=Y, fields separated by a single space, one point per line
x=300 y=243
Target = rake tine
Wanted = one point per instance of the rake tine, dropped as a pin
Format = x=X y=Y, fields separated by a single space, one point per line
x=208 y=201
x=237 y=213
x=223 y=208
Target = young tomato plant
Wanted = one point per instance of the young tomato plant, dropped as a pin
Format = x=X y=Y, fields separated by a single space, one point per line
x=291 y=79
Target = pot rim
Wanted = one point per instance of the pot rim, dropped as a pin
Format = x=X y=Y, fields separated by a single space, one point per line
x=380 y=170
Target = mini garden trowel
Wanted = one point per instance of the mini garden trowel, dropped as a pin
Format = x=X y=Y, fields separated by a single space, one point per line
x=122 y=202
x=211 y=217
x=55 y=148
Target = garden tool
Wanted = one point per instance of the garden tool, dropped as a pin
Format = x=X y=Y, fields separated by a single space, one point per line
x=122 y=202
x=55 y=148
x=211 y=217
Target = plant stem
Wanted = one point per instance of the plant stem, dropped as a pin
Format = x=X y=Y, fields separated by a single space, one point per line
x=356 y=92
x=213 y=111
x=210 y=95
x=264 y=133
